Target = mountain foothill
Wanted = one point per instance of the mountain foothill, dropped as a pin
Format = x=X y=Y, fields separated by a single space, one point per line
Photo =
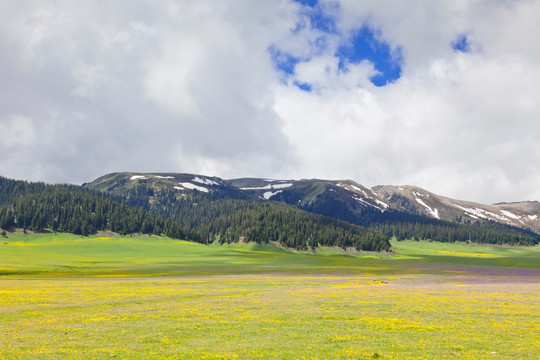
x=299 y=214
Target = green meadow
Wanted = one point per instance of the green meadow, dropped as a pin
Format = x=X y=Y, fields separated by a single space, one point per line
x=148 y=297
x=109 y=254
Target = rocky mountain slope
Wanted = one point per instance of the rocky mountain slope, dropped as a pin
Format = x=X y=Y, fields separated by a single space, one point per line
x=410 y=199
x=343 y=199
x=419 y=201
x=117 y=183
x=221 y=212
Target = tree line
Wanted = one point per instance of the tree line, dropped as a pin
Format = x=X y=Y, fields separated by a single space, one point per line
x=198 y=210
x=403 y=225
x=292 y=227
x=221 y=216
x=231 y=215
x=68 y=208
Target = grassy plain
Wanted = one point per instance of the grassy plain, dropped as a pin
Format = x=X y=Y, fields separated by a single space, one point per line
x=67 y=297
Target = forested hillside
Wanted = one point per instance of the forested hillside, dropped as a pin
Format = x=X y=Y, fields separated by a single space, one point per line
x=416 y=227
x=69 y=208
x=197 y=200
x=293 y=228
x=230 y=216
x=404 y=225
x=227 y=214
x=207 y=218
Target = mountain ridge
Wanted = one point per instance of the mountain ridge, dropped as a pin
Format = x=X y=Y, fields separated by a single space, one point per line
x=525 y=214
x=343 y=196
x=206 y=217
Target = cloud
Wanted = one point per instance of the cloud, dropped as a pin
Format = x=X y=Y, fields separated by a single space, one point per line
x=278 y=89
x=181 y=86
x=20 y=130
x=458 y=123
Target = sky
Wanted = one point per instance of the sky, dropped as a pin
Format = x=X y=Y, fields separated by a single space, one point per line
x=444 y=95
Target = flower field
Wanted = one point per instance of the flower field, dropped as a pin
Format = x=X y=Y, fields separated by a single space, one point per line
x=350 y=311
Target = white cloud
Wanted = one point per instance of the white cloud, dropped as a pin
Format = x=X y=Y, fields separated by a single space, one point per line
x=169 y=76
x=189 y=86
x=17 y=130
x=89 y=78
x=323 y=73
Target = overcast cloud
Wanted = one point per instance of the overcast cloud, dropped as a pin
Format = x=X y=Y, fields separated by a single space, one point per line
x=448 y=100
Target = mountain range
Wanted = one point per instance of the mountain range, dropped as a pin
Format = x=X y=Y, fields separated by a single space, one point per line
x=301 y=214
x=342 y=199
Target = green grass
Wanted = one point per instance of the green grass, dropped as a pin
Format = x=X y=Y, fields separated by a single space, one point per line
x=471 y=254
x=147 y=297
x=155 y=255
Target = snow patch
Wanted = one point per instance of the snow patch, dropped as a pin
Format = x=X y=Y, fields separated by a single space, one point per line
x=268 y=187
x=432 y=212
x=267 y=195
x=179 y=188
x=364 y=202
x=359 y=190
x=478 y=213
x=354 y=187
x=164 y=177
x=484 y=214
x=135 y=177
x=510 y=215
x=533 y=217
x=383 y=204
x=194 y=187
x=204 y=181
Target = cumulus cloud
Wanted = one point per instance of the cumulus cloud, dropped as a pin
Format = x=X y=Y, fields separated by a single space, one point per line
x=443 y=95
x=461 y=123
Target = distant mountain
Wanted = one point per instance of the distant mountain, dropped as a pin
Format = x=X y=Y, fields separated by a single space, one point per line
x=301 y=214
x=419 y=201
x=121 y=182
x=401 y=211
x=354 y=198
x=222 y=212
x=305 y=192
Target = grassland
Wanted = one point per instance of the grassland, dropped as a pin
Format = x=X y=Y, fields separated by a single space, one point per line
x=67 y=297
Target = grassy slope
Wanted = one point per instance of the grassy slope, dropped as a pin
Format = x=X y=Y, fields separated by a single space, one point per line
x=459 y=253
x=153 y=255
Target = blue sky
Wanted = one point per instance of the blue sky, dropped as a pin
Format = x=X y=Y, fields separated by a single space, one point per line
x=355 y=45
x=461 y=43
x=366 y=44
